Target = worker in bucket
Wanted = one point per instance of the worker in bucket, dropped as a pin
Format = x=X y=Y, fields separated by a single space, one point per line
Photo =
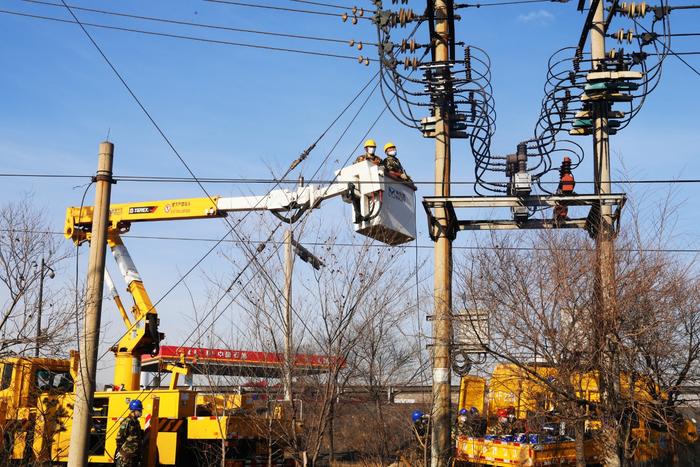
x=130 y=438
x=392 y=164
x=369 y=154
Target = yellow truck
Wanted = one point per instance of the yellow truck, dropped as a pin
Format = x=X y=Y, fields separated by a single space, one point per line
x=505 y=420
x=36 y=402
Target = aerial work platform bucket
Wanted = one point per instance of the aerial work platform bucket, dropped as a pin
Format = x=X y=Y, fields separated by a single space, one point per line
x=384 y=207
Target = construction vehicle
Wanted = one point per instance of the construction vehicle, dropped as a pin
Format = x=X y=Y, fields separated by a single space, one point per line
x=513 y=420
x=37 y=394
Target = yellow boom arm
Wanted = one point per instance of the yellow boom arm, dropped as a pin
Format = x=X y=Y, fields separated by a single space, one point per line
x=383 y=209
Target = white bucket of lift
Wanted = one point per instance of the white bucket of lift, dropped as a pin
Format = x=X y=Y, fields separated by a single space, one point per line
x=387 y=205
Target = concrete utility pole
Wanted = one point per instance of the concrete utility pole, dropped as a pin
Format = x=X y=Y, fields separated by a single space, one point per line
x=442 y=319
x=288 y=354
x=604 y=287
x=85 y=385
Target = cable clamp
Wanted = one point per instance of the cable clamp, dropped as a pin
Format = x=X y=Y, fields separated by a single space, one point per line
x=104 y=178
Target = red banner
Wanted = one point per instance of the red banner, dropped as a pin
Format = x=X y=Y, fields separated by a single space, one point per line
x=249 y=357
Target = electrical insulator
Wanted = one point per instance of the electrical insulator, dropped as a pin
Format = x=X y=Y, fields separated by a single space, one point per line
x=405 y=16
x=566 y=178
x=565 y=104
x=468 y=63
x=359 y=46
x=366 y=61
x=409 y=45
x=612 y=54
x=351 y=42
x=354 y=20
x=472 y=114
x=410 y=63
x=623 y=36
x=354 y=10
x=633 y=10
x=344 y=17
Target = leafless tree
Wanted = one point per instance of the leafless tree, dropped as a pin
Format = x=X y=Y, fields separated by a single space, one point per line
x=26 y=240
x=353 y=311
x=539 y=293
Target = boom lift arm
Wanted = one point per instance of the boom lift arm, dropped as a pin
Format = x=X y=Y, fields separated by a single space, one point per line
x=383 y=209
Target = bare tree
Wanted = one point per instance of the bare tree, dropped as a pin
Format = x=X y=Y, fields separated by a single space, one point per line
x=352 y=312
x=545 y=321
x=26 y=240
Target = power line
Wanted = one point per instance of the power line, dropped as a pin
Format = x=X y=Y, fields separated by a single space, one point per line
x=185 y=37
x=279 y=8
x=232 y=230
x=514 y=2
x=668 y=49
x=257 y=181
x=329 y=5
x=355 y=245
x=193 y=24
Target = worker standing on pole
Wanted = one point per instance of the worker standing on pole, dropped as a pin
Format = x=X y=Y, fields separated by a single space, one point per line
x=369 y=154
x=130 y=438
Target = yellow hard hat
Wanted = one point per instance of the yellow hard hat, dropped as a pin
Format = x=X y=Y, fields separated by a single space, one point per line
x=388 y=146
x=370 y=144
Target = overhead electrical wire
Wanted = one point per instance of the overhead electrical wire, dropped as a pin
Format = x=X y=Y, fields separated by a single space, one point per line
x=289 y=181
x=329 y=5
x=193 y=24
x=279 y=8
x=184 y=37
x=252 y=254
x=514 y=2
x=357 y=245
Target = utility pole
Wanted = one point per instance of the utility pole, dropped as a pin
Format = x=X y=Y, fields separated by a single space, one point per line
x=604 y=286
x=85 y=384
x=288 y=270
x=442 y=318
x=40 y=305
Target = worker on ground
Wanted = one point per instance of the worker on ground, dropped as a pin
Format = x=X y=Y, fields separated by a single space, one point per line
x=392 y=164
x=420 y=423
x=369 y=155
x=130 y=438
x=462 y=427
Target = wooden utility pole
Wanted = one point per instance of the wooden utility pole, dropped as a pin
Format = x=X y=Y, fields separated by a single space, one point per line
x=604 y=288
x=442 y=317
x=288 y=354
x=85 y=385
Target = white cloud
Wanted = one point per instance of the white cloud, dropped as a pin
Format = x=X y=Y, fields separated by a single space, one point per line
x=538 y=17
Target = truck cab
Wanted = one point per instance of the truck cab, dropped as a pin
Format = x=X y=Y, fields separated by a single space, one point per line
x=32 y=391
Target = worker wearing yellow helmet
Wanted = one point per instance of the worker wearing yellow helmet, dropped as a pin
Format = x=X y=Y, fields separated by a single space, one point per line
x=392 y=164
x=369 y=154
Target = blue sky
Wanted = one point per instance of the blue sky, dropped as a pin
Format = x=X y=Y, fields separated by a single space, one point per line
x=242 y=112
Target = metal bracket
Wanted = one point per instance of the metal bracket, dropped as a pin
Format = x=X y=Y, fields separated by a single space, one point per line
x=438 y=228
x=435 y=228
